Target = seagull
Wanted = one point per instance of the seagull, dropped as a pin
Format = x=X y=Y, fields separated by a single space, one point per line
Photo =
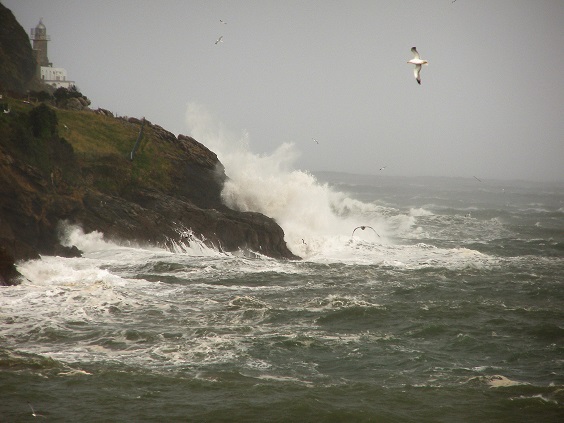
x=363 y=228
x=384 y=167
x=418 y=62
x=317 y=142
x=223 y=22
x=7 y=111
x=219 y=40
x=478 y=179
x=34 y=414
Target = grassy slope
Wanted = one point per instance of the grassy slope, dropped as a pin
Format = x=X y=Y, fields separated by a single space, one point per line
x=102 y=146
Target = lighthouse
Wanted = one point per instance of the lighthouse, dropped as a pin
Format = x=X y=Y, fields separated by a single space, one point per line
x=54 y=77
x=40 y=39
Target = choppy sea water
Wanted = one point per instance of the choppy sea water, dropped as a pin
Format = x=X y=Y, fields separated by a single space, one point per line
x=448 y=307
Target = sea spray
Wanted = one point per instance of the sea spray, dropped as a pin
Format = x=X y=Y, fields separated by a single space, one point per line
x=93 y=242
x=309 y=212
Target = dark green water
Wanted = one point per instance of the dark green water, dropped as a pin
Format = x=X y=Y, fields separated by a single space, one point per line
x=453 y=314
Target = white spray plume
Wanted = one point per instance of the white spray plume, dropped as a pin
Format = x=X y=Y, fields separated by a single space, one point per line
x=309 y=212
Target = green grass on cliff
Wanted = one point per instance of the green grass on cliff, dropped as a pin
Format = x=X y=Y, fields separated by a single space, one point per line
x=105 y=143
x=92 y=134
x=102 y=147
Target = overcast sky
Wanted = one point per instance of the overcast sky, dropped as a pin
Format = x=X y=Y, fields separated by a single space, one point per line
x=491 y=103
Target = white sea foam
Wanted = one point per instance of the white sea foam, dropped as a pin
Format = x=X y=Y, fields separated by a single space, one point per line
x=310 y=213
x=317 y=220
x=419 y=212
x=95 y=243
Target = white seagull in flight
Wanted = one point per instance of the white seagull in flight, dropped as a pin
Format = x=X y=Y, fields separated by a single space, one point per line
x=219 y=40
x=418 y=62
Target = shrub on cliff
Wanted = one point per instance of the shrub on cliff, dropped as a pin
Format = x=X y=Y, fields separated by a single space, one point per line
x=43 y=121
x=42 y=96
x=70 y=98
x=63 y=93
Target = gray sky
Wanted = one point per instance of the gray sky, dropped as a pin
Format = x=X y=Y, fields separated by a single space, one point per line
x=490 y=104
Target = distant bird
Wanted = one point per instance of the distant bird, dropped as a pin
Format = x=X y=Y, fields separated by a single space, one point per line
x=304 y=241
x=418 y=62
x=478 y=179
x=317 y=142
x=363 y=228
x=223 y=22
x=384 y=167
x=219 y=40
x=34 y=414
x=8 y=110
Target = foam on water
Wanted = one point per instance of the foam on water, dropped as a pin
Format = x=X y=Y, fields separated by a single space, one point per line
x=306 y=209
x=318 y=221
x=116 y=285
x=94 y=243
x=373 y=310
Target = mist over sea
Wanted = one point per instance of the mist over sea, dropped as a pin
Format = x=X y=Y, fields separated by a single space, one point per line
x=447 y=307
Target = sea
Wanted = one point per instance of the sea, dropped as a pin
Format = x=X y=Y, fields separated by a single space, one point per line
x=417 y=299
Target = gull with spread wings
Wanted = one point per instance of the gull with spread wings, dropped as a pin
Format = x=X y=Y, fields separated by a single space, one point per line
x=363 y=228
x=418 y=62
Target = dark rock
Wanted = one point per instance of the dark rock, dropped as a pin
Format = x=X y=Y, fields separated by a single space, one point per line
x=8 y=273
x=71 y=104
x=42 y=182
x=17 y=64
x=63 y=251
x=104 y=112
x=169 y=194
x=134 y=120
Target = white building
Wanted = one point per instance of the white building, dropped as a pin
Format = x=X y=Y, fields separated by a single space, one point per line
x=55 y=77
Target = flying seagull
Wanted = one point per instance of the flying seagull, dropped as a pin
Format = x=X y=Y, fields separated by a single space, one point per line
x=478 y=179
x=363 y=228
x=383 y=167
x=418 y=62
x=219 y=40
x=223 y=22
x=317 y=142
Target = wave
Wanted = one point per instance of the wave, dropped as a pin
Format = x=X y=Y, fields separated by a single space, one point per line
x=94 y=242
x=311 y=213
x=319 y=221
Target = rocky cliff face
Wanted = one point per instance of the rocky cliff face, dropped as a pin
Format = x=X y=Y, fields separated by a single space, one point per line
x=61 y=161
x=75 y=166
x=17 y=65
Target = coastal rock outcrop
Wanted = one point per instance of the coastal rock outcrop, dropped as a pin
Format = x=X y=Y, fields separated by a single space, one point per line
x=62 y=162
x=56 y=166
x=17 y=65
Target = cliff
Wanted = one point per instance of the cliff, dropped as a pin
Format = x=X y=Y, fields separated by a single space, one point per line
x=17 y=65
x=62 y=162
x=74 y=166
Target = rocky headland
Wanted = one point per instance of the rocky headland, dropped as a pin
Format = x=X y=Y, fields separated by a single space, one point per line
x=62 y=162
